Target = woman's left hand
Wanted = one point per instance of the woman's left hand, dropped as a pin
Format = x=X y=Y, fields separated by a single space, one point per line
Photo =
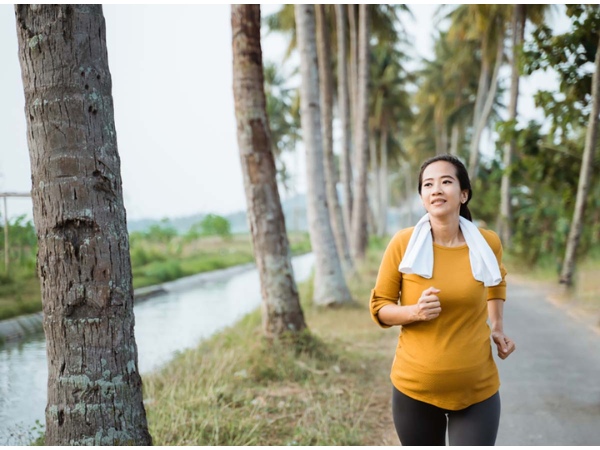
x=505 y=345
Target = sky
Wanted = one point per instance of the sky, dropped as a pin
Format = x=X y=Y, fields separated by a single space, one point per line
x=171 y=70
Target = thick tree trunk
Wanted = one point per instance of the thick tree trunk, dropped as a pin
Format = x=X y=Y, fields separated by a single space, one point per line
x=485 y=112
x=585 y=175
x=326 y=90
x=280 y=302
x=344 y=115
x=518 y=29
x=94 y=385
x=359 y=237
x=329 y=284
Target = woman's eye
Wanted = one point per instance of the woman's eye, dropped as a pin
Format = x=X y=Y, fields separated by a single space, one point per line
x=447 y=181
x=427 y=185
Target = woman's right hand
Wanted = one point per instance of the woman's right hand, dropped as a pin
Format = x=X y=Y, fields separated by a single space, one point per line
x=428 y=307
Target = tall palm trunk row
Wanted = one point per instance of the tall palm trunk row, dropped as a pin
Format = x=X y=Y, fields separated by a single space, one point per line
x=329 y=282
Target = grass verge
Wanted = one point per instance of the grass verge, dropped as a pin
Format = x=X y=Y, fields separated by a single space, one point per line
x=329 y=387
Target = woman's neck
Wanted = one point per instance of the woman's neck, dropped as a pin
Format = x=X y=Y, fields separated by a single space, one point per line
x=446 y=233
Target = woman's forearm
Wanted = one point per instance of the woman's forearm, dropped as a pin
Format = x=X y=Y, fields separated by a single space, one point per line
x=427 y=308
x=397 y=315
x=495 y=313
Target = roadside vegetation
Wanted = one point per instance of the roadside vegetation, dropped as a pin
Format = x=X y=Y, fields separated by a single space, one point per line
x=329 y=387
x=158 y=255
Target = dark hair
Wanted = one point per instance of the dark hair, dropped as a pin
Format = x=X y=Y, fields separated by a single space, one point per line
x=461 y=174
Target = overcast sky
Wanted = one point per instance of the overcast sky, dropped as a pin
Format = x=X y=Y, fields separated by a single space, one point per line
x=171 y=72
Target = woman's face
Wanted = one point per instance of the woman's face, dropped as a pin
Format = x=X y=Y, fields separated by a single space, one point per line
x=440 y=190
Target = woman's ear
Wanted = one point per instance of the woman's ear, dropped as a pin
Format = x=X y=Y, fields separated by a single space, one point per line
x=464 y=196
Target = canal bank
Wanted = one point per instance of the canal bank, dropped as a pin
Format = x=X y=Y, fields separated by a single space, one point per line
x=189 y=310
x=18 y=328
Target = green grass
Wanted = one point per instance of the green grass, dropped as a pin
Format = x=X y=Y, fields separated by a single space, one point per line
x=19 y=294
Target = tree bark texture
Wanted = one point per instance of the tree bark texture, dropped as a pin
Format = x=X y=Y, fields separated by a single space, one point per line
x=344 y=114
x=359 y=235
x=329 y=284
x=585 y=178
x=281 y=311
x=326 y=91
x=94 y=386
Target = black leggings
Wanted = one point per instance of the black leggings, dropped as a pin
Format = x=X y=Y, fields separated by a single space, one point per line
x=419 y=423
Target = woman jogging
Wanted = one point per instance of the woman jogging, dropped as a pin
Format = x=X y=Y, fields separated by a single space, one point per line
x=440 y=281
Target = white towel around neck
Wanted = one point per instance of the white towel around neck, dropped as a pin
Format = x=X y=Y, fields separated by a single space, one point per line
x=419 y=254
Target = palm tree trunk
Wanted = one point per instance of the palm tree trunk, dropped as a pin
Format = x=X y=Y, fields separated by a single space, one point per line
x=485 y=112
x=374 y=183
x=280 y=302
x=360 y=210
x=353 y=61
x=444 y=134
x=518 y=27
x=329 y=284
x=326 y=86
x=483 y=86
x=383 y=183
x=585 y=176
x=344 y=114
x=94 y=384
x=454 y=139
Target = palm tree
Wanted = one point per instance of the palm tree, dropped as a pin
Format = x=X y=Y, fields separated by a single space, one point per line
x=326 y=94
x=281 y=305
x=359 y=237
x=485 y=24
x=329 y=284
x=94 y=385
x=444 y=97
x=344 y=114
x=521 y=13
x=585 y=174
x=383 y=19
x=284 y=120
x=390 y=115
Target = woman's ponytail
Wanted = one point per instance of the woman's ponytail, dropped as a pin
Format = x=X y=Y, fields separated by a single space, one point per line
x=464 y=212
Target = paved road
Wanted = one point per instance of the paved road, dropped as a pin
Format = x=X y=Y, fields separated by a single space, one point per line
x=551 y=385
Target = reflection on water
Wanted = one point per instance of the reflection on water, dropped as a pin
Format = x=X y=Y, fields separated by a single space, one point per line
x=164 y=325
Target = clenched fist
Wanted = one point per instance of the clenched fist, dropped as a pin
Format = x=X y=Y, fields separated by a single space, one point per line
x=428 y=307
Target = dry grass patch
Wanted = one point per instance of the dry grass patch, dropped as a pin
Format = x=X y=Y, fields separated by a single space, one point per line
x=329 y=387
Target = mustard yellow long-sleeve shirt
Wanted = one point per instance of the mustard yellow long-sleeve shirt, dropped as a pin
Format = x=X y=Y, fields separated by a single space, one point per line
x=446 y=362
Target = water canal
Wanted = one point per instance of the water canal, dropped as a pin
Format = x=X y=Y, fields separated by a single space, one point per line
x=190 y=310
